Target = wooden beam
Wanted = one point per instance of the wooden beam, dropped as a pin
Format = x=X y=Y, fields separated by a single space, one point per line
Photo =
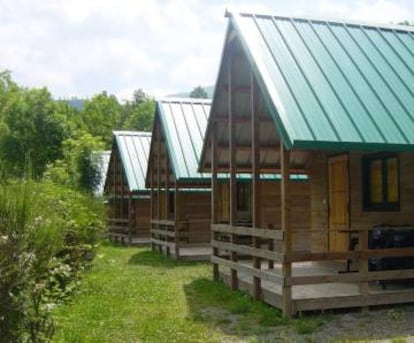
x=263 y=169
x=264 y=275
x=177 y=216
x=249 y=149
x=248 y=231
x=214 y=196
x=159 y=178
x=240 y=119
x=166 y=195
x=152 y=201
x=287 y=307
x=255 y=151
x=247 y=250
x=232 y=167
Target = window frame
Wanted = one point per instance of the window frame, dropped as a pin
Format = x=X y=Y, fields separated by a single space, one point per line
x=385 y=205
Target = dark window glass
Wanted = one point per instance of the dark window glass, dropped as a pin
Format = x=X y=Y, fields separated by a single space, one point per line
x=381 y=182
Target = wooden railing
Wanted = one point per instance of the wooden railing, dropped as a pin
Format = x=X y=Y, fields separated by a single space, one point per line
x=117 y=225
x=245 y=253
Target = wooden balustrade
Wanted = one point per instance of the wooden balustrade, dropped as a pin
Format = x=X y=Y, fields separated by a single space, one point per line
x=247 y=252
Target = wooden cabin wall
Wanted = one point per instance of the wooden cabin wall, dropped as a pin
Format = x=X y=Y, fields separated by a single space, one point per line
x=299 y=192
x=299 y=195
x=319 y=201
x=141 y=217
x=196 y=208
x=359 y=219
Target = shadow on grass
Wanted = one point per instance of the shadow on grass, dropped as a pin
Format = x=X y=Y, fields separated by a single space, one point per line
x=232 y=312
x=155 y=259
x=236 y=313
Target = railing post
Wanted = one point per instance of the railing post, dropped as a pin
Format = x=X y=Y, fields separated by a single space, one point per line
x=176 y=219
x=363 y=265
x=214 y=196
x=287 y=234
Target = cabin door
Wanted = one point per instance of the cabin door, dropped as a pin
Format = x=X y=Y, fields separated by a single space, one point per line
x=338 y=203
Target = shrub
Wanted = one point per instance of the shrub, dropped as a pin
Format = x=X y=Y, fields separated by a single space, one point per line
x=47 y=239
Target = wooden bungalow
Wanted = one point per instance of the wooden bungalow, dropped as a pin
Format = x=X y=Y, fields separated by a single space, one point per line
x=180 y=195
x=335 y=101
x=128 y=200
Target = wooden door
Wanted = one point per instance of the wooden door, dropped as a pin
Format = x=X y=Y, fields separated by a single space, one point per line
x=338 y=203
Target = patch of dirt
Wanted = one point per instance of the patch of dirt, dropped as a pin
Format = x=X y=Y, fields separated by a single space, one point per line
x=391 y=324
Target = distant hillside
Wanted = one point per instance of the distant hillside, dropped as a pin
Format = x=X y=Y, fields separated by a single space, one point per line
x=76 y=103
x=209 y=90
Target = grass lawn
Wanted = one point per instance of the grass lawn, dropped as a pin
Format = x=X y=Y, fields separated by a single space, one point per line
x=134 y=295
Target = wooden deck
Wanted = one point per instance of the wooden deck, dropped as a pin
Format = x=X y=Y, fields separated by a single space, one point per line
x=184 y=253
x=321 y=296
x=126 y=239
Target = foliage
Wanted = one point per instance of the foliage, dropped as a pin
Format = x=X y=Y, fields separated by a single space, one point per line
x=30 y=127
x=46 y=238
x=101 y=115
x=35 y=126
x=79 y=167
x=199 y=92
x=139 y=114
x=28 y=240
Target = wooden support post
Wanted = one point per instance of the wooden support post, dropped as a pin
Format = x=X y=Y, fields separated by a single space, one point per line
x=255 y=127
x=122 y=200
x=152 y=200
x=287 y=234
x=214 y=196
x=167 y=198
x=363 y=266
x=177 y=217
x=130 y=218
x=159 y=181
x=271 y=246
x=232 y=165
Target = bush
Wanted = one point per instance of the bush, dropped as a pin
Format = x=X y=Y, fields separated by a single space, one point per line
x=47 y=237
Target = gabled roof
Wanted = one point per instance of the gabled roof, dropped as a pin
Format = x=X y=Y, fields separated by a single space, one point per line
x=331 y=84
x=183 y=123
x=133 y=148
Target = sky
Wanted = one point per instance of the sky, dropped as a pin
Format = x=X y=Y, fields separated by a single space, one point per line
x=83 y=47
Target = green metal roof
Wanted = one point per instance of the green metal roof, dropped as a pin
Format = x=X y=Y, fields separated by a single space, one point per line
x=183 y=123
x=333 y=85
x=133 y=147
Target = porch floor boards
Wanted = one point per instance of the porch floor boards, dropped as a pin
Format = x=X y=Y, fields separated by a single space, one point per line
x=272 y=292
x=200 y=253
x=126 y=240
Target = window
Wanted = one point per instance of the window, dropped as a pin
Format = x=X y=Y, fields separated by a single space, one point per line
x=381 y=182
x=242 y=196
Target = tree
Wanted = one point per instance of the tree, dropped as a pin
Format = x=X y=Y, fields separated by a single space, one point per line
x=199 y=92
x=31 y=129
x=79 y=168
x=139 y=116
x=101 y=115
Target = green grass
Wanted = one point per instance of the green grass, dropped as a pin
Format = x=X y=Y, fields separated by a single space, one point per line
x=133 y=295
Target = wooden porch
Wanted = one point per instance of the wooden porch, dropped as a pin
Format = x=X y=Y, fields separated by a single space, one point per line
x=172 y=238
x=317 y=281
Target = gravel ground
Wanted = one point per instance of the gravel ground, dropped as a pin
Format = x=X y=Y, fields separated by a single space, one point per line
x=393 y=324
